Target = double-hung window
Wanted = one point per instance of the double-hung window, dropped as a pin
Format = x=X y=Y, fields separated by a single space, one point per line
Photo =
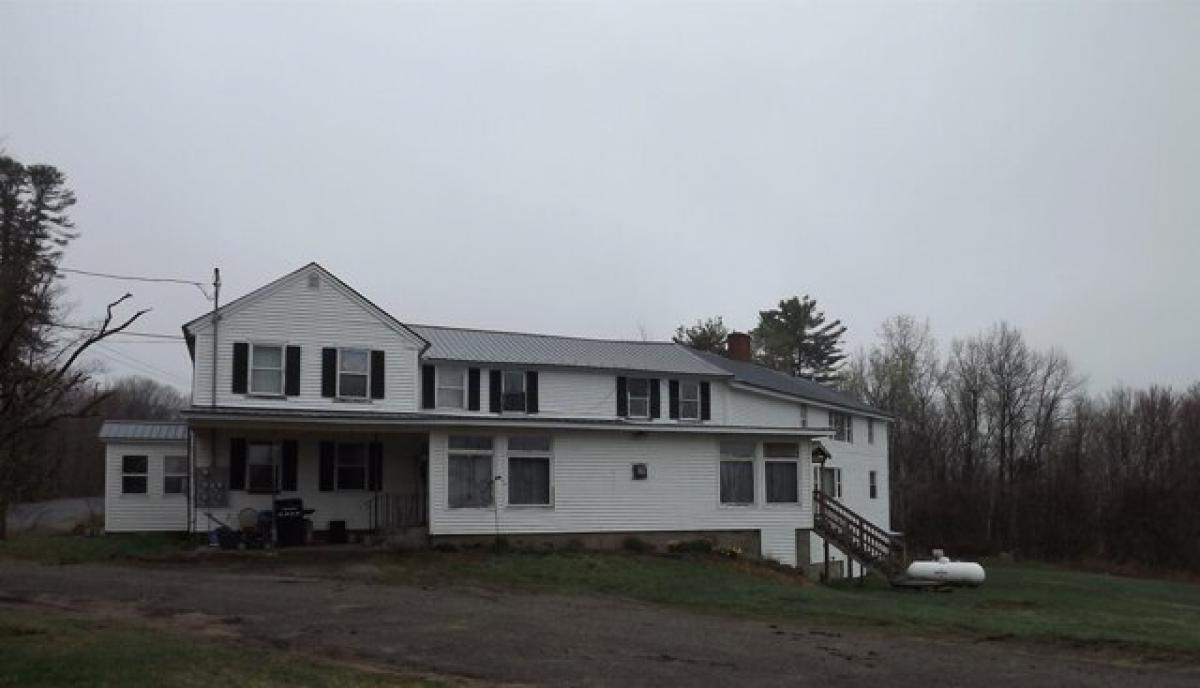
x=469 y=479
x=689 y=400
x=529 y=472
x=829 y=481
x=843 y=426
x=354 y=369
x=781 y=461
x=804 y=415
x=873 y=484
x=175 y=475
x=134 y=470
x=451 y=387
x=637 y=390
x=737 y=473
x=260 y=468
x=266 y=369
x=351 y=467
x=870 y=431
x=512 y=390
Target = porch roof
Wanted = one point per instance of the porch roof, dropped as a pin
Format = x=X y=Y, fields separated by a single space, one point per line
x=213 y=417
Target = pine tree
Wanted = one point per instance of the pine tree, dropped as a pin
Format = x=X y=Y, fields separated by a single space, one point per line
x=796 y=339
x=706 y=335
x=40 y=383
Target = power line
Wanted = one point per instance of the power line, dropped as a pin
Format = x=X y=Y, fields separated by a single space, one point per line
x=130 y=361
x=139 y=278
x=153 y=335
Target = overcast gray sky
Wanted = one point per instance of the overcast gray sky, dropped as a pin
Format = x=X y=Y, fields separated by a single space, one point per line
x=591 y=169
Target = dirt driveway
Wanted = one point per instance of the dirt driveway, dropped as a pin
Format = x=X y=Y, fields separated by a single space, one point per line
x=544 y=639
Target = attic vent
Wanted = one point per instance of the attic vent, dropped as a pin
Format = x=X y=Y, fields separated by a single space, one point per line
x=314 y=280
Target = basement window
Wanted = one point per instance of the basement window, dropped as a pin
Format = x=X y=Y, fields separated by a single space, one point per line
x=134 y=474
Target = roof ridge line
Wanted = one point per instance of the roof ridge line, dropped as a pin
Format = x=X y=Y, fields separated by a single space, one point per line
x=546 y=335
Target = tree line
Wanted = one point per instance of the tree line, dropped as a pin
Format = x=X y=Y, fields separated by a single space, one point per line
x=996 y=447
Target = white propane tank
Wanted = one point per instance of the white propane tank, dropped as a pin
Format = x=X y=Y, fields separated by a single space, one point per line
x=949 y=572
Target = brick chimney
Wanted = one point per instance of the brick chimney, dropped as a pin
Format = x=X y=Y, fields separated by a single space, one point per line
x=737 y=346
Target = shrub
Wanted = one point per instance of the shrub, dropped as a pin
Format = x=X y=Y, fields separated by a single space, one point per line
x=638 y=545
x=700 y=546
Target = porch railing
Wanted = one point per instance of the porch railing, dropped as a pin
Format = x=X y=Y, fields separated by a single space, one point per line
x=390 y=512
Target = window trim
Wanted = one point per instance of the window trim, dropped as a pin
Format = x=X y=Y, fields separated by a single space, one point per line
x=184 y=474
x=250 y=368
x=683 y=399
x=145 y=475
x=438 y=374
x=490 y=453
x=366 y=395
x=510 y=454
x=366 y=467
x=504 y=375
x=629 y=397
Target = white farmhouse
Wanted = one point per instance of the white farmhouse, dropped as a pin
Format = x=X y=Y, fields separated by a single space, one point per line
x=305 y=389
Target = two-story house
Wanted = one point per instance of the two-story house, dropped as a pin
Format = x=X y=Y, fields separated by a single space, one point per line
x=304 y=388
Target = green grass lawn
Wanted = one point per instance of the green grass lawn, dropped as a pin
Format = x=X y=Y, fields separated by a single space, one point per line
x=73 y=549
x=51 y=651
x=1146 y=617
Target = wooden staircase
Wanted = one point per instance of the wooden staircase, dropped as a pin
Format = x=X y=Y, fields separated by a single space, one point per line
x=860 y=540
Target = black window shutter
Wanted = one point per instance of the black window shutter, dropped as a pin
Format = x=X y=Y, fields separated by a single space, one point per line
x=290 y=467
x=531 y=391
x=375 y=466
x=494 y=391
x=655 y=399
x=673 y=399
x=427 y=386
x=378 y=375
x=472 y=389
x=237 y=463
x=622 y=398
x=291 y=385
x=329 y=372
x=705 y=402
x=241 y=361
x=326 y=470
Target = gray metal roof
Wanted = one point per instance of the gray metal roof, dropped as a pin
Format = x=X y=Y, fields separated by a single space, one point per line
x=489 y=346
x=760 y=376
x=143 y=431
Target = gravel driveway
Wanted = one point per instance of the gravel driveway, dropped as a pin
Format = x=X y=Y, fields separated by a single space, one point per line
x=544 y=639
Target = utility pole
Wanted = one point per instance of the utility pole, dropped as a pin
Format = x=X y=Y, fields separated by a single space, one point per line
x=212 y=401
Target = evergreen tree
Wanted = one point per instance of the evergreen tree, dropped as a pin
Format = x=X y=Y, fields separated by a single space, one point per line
x=796 y=339
x=706 y=335
x=40 y=383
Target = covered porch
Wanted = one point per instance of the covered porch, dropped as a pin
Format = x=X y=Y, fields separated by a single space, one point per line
x=356 y=480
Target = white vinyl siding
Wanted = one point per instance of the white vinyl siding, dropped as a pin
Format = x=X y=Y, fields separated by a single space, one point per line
x=312 y=319
x=153 y=510
x=595 y=491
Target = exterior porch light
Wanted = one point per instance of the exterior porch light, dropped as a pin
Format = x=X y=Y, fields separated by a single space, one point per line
x=820 y=454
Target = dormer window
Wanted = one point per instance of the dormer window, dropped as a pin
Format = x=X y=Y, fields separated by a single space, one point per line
x=638 y=390
x=513 y=391
x=451 y=386
x=266 y=369
x=689 y=400
x=354 y=369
